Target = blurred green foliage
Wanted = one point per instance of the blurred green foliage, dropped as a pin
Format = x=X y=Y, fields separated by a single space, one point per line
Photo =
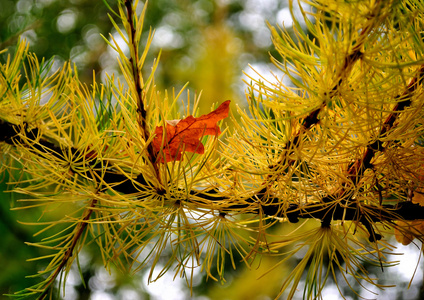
x=201 y=41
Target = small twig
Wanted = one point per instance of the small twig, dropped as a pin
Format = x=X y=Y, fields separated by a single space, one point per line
x=134 y=60
x=357 y=169
x=70 y=251
x=137 y=78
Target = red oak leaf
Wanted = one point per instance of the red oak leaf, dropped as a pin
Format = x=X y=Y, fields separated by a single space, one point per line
x=184 y=135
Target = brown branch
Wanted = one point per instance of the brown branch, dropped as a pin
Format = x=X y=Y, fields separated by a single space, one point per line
x=137 y=78
x=357 y=169
x=70 y=251
x=142 y=113
x=404 y=210
x=326 y=210
x=312 y=118
x=31 y=139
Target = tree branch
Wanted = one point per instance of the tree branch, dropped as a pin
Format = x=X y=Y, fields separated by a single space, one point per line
x=81 y=226
x=326 y=210
x=20 y=137
x=358 y=168
x=134 y=60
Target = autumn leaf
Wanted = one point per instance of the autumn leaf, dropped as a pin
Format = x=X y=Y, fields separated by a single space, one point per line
x=184 y=135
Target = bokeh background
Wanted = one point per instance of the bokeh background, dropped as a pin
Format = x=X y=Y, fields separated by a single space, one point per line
x=205 y=43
